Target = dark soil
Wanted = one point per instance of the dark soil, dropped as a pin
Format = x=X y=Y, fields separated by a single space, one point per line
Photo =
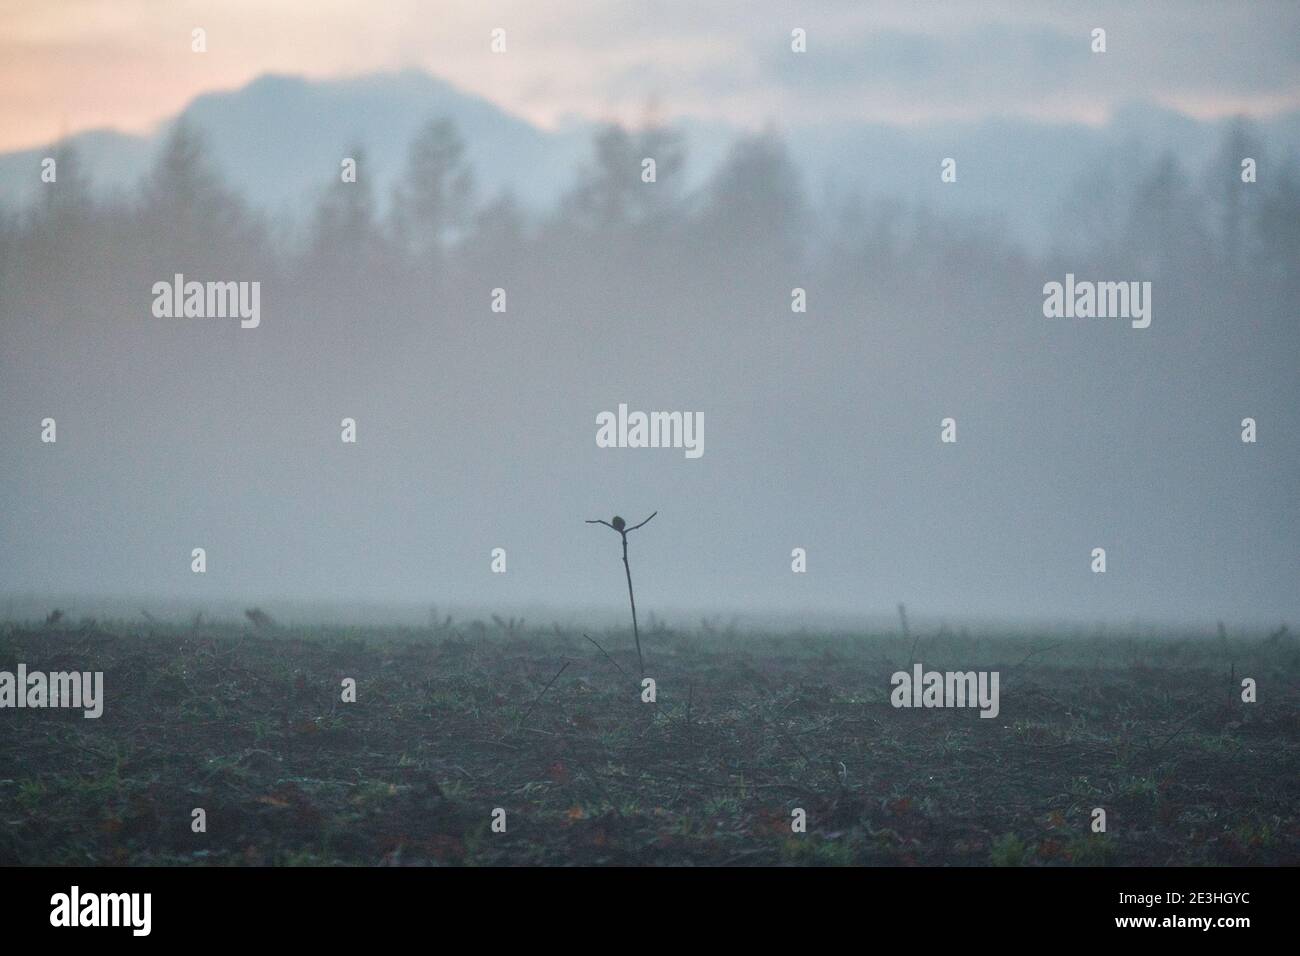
x=450 y=724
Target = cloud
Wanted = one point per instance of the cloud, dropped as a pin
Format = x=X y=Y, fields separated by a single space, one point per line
x=79 y=63
x=1035 y=70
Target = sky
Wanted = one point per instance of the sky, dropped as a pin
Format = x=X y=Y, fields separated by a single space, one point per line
x=478 y=427
x=71 y=65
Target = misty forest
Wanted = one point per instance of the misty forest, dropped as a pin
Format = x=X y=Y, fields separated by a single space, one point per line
x=474 y=339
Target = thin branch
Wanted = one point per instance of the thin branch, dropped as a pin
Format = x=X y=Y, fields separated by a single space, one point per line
x=647 y=521
x=608 y=658
x=623 y=531
x=1153 y=752
x=524 y=719
x=1034 y=653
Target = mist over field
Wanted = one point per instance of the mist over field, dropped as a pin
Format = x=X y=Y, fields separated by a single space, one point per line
x=675 y=435
x=476 y=429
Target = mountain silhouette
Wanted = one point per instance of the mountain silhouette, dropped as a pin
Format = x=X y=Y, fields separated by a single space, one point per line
x=279 y=138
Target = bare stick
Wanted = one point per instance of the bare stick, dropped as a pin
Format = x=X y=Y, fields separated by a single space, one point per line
x=1168 y=740
x=902 y=616
x=543 y=694
x=619 y=526
x=636 y=633
x=1035 y=652
x=607 y=657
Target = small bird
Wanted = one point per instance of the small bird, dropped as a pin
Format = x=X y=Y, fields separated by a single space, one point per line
x=618 y=523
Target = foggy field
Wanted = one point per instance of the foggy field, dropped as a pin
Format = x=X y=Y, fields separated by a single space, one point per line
x=451 y=722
